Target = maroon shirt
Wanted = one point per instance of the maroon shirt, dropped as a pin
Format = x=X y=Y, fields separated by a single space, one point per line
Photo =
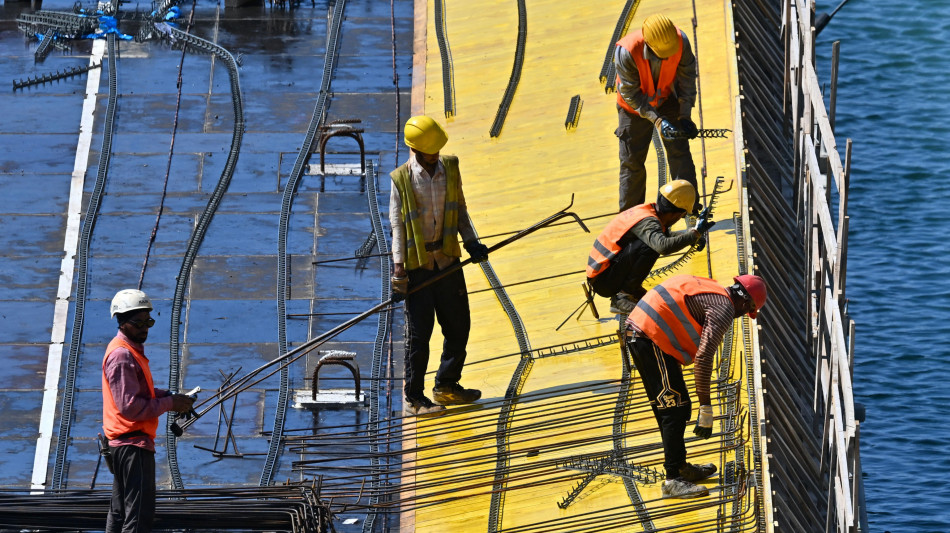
x=130 y=392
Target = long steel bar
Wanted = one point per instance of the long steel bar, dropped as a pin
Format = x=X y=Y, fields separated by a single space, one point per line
x=288 y=358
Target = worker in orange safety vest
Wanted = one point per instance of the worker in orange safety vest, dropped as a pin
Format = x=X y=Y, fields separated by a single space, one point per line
x=679 y=322
x=656 y=89
x=131 y=406
x=624 y=253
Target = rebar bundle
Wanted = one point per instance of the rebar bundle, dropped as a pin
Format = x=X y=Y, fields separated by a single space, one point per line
x=282 y=508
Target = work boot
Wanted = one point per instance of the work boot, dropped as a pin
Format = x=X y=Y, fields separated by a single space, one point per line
x=680 y=488
x=694 y=473
x=622 y=303
x=453 y=393
x=421 y=407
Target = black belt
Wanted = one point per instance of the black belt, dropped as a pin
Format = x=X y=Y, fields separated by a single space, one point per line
x=630 y=334
x=433 y=246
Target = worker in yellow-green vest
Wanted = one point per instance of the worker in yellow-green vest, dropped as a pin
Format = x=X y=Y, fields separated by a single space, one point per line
x=427 y=212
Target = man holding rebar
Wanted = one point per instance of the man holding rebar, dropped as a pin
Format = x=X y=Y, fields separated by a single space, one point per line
x=681 y=321
x=427 y=212
x=131 y=406
x=624 y=253
x=656 y=88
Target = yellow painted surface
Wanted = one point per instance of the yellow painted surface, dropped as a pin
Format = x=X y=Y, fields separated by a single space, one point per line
x=529 y=172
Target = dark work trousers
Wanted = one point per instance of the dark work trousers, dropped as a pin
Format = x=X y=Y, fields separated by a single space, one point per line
x=635 y=134
x=626 y=271
x=447 y=300
x=133 y=491
x=662 y=378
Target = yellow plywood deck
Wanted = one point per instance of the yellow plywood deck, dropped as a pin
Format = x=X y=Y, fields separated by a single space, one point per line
x=566 y=404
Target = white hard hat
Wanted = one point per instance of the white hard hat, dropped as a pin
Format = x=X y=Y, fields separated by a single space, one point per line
x=130 y=300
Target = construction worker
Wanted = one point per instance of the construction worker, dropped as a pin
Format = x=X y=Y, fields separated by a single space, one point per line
x=656 y=88
x=131 y=406
x=427 y=212
x=625 y=252
x=682 y=321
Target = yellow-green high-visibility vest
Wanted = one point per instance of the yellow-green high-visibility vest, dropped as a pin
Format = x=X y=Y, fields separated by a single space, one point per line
x=416 y=254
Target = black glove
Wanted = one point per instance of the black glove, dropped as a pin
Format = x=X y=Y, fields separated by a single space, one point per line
x=689 y=127
x=400 y=288
x=704 y=422
x=703 y=225
x=477 y=251
x=667 y=129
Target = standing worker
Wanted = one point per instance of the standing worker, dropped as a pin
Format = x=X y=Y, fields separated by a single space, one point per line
x=131 y=406
x=656 y=87
x=427 y=213
x=625 y=252
x=678 y=322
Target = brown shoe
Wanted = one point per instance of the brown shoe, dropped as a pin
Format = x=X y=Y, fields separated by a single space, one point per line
x=694 y=473
x=454 y=393
x=422 y=407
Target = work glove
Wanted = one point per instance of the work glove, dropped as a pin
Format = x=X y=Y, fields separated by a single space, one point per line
x=477 y=251
x=704 y=422
x=688 y=127
x=700 y=244
x=400 y=288
x=667 y=129
x=703 y=225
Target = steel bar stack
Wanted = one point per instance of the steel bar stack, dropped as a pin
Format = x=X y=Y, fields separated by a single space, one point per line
x=279 y=508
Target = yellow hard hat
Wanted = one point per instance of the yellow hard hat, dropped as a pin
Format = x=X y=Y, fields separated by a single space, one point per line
x=680 y=193
x=661 y=35
x=425 y=135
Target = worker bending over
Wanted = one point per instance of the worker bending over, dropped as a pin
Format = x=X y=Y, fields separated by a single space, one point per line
x=427 y=212
x=625 y=252
x=656 y=88
x=681 y=321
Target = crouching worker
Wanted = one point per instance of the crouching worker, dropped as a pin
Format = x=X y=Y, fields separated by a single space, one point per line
x=427 y=212
x=679 y=322
x=625 y=252
x=131 y=406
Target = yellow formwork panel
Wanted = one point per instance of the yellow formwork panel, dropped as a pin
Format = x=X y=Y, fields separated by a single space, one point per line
x=567 y=402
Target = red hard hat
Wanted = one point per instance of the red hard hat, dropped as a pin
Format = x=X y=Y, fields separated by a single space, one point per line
x=755 y=286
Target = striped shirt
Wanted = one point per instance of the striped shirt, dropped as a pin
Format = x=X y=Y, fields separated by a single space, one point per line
x=430 y=202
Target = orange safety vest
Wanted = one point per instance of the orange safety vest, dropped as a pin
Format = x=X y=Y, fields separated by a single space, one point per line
x=606 y=247
x=663 y=317
x=113 y=423
x=634 y=44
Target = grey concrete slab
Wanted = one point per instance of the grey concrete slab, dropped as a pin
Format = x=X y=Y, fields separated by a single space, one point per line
x=15 y=468
x=30 y=277
x=24 y=366
x=25 y=321
x=34 y=194
x=35 y=112
x=131 y=232
x=52 y=153
x=20 y=410
x=235 y=277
